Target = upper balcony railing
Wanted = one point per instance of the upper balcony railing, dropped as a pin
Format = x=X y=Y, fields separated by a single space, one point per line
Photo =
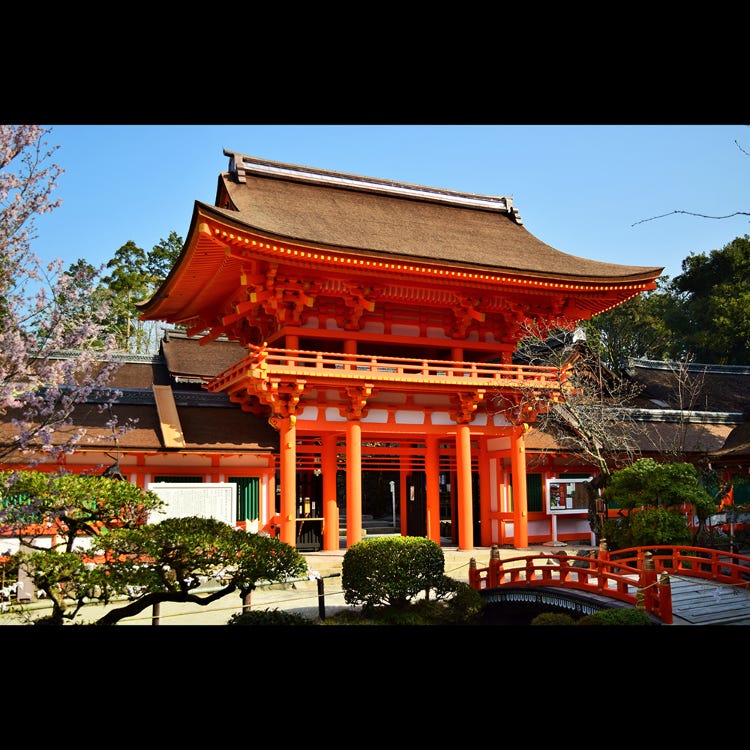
x=389 y=372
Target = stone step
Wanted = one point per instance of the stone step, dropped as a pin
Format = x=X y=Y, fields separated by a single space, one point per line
x=365 y=517
x=371 y=526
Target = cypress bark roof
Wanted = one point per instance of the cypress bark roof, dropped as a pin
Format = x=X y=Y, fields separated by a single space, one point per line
x=374 y=231
x=320 y=207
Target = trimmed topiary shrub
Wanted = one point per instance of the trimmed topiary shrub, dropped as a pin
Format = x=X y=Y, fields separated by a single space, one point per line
x=454 y=603
x=461 y=603
x=616 y=616
x=391 y=571
x=553 y=618
x=269 y=617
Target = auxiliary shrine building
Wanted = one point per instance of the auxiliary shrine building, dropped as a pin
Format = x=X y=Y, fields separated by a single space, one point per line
x=375 y=324
x=330 y=325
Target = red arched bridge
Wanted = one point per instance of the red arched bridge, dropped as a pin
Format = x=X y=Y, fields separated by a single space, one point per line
x=638 y=576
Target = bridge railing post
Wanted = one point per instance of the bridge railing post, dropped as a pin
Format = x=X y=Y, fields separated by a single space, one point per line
x=530 y=572
x=602 y=564
x=474 y=581
x=496 y=567
x=564 y=567
x=648 y=581
x=665 y=599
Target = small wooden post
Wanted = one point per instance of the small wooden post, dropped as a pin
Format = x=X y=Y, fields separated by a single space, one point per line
x=321 y=599
x=155 y=611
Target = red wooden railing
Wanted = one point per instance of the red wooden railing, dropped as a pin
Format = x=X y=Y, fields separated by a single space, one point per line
x=699 y=562
x=637 y=576
x=262 y=362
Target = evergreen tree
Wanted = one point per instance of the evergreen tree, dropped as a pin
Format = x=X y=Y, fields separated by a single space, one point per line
x=710 y=319
x=162 y=257
x=134 y=276
x=635 y=329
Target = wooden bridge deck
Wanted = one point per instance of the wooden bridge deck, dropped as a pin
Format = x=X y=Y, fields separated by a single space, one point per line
x=696 y=601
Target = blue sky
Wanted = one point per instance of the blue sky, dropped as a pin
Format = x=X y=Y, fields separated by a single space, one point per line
x=582 y=189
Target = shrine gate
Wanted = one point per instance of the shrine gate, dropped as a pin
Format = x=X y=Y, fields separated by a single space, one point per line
x=380 y=321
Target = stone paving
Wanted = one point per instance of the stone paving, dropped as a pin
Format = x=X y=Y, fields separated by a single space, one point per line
x=301 y=596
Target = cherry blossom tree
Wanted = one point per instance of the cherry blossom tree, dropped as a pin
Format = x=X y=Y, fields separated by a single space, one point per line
x=51 y=356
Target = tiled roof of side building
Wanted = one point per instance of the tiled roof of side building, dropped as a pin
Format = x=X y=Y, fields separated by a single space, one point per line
x=737 y=444
x=694 y=386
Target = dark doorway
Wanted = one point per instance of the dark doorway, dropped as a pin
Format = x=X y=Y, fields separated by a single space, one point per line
x=476 y=519
x=416 y=504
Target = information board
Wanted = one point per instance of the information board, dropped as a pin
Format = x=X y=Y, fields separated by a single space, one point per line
x=202 y=499
x=567 y=495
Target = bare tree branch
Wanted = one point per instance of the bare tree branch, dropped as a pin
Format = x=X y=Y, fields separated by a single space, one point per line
x=693 y=213
x=590 y=417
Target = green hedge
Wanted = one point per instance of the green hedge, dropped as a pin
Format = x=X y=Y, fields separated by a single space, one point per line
x=391 y=571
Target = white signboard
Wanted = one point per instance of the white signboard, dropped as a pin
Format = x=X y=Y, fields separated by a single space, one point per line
x=203 y=499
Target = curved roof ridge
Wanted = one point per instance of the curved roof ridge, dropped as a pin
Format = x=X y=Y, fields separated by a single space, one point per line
x=241 y=164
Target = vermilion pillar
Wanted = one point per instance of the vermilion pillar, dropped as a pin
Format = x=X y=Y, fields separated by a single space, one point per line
x=353 y=482
x=432 y=472
x=520 y=503
x=330 y=508
x=288 y=470
x=292 y=342
x=350 y=347
x=463 y=469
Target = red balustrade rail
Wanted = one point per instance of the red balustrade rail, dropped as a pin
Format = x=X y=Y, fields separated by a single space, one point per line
x=264 y=361
x=637 y=575
x=596 y=575
x=699 y=562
